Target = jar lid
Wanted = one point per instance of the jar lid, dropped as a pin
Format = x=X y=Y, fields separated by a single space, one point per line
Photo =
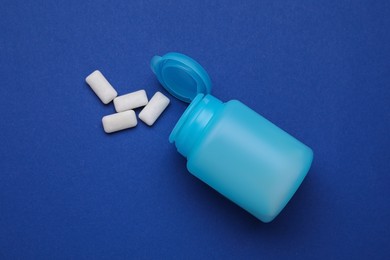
x=181 y=76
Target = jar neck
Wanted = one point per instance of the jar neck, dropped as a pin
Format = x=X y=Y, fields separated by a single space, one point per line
x=192 y=123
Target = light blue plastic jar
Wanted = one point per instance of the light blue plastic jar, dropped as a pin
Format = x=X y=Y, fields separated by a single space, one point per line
x=229 y=146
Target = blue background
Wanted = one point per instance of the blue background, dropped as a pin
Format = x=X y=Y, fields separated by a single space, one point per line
x=318 y=69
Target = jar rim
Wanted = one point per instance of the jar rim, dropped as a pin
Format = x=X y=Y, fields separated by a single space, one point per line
x=184 y=117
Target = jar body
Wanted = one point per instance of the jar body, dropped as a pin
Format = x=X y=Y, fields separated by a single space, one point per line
x=245 y=157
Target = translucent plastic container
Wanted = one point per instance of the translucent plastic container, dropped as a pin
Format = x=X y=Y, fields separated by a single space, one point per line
x=229 y=146
x=241 y=154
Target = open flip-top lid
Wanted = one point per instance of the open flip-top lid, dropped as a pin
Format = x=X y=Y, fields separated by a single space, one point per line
x=181 y=76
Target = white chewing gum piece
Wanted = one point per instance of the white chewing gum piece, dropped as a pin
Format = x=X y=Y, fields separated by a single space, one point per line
x=157 y=104
x=101 y=87
x=131 y=101
x=119 y=121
